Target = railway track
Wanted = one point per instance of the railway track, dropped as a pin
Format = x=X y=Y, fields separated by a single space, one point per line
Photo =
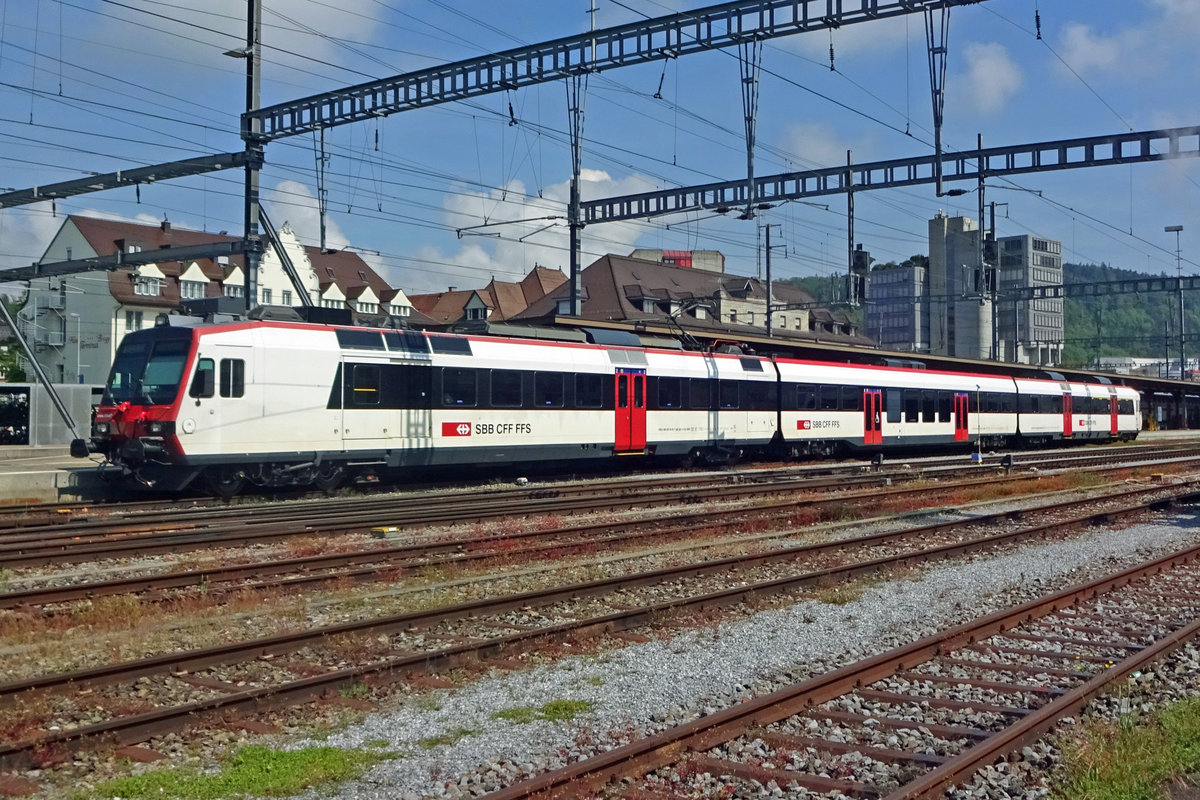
x=389 y=563
x=965 y=697
x=493 y=627
x=158 y=533
x=22 y=523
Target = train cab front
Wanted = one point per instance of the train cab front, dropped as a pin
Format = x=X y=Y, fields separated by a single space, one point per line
x=133 y=428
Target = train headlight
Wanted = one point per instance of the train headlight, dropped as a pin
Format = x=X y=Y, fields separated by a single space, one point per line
x=154 y=428
x=101 y=428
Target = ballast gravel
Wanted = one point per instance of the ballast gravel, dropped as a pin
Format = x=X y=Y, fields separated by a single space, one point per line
x=644 y=688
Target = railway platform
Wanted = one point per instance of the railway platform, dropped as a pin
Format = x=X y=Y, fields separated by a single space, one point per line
x=47 y=475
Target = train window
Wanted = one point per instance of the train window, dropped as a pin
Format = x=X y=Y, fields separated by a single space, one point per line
x=670 y=392
x=827 y=398
x=365 y=389
x=407 y=386
x=233 y=377
x=851 y=398
x=410 y=342
x=1026 y=404
x=728 y=393
x=639 y=392
x=893 y=405
x=204 y=382
x=506 y=388
x=699 y=394
x=450 y=345
x=757 y=396
x=752 y=365
x=589 y=390
x=548 y=389
x=458 y=387
x=806 y=398
x=1125 y=406
x=945 y=406
x=928 y=405
x=359 y=339
x=912 y=405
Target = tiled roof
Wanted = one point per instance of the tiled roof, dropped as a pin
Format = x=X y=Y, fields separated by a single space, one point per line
x=107 y=237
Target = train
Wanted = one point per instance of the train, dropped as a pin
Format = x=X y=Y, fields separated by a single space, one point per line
x=273 y=402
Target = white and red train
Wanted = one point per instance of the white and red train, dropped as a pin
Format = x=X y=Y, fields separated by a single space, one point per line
x=282 y=403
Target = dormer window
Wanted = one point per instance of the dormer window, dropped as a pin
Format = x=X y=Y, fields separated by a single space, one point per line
x=191 y=290
x=362 y=276
x=147 y=286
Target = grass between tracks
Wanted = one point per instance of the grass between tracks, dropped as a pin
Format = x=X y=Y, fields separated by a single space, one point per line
x=251 y=771
x=1133 y=758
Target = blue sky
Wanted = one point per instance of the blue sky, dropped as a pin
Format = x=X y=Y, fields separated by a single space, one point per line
x=93 y=86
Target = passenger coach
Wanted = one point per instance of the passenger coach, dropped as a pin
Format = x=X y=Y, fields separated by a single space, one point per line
x=288 y=403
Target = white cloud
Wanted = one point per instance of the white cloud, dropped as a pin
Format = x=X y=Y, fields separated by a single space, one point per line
x=293 y=202
x=990 y=81
x=816 y=144
x=532 y=231
x=1088 y=52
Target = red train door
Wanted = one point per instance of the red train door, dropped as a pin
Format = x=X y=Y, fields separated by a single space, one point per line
x=1112 y=416
x=961 y=413
x=1068 y=425
x=872 y=416
x=630 y=404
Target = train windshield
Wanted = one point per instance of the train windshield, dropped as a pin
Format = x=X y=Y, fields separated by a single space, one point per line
x=148 y=367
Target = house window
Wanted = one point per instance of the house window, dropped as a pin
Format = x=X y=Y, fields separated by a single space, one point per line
x=476 y=313
x=733 y=316
x=133 y=320
x=266 y=297
x=400 y=311
x=285 y=297
x=234 y=290
x=368 y=308
x=191 y=290
x=147 y=286
x=327 y=302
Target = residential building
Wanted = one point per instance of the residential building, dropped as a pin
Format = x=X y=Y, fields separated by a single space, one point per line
x=897 y=314
x=74 y=322
x=628 y=289
x=498 y=301
x=1030 y=331
x=947 y=308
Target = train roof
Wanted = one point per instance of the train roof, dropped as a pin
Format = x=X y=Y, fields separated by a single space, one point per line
x=667 y=335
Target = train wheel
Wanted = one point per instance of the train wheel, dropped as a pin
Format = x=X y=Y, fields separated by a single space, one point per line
x=224 y=481
x=329 y=477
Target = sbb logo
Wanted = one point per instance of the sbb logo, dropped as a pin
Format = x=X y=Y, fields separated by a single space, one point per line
x=456 y=429
x=803 y=425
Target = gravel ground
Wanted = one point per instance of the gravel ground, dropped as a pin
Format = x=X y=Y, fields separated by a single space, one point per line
x=644 y=688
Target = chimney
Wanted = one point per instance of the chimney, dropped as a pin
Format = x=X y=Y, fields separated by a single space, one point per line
x=165 y=225
x=452 y=288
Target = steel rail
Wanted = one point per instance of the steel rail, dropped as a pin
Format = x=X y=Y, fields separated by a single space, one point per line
x=136 y=728
x=58 y=546
x=304 y=571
